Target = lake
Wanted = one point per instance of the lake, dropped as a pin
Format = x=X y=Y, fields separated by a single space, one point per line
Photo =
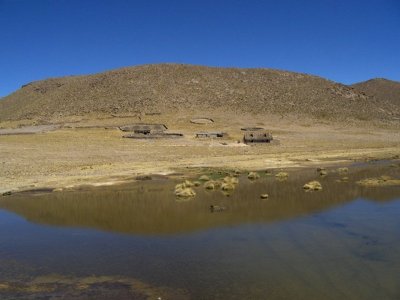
x=138 y=241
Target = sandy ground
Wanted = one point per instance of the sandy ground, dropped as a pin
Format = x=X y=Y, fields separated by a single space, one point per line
x=70 y=157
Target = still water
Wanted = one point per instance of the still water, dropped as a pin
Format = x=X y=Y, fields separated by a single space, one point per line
x=136 y=241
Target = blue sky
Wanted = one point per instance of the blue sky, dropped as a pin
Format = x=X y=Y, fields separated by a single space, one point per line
x=345 y=41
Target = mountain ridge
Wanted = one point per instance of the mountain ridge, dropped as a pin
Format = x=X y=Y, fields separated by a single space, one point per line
x=381 y=88
x=175 y=88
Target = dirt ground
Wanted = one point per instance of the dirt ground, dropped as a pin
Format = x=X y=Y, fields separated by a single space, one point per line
x=72 y=156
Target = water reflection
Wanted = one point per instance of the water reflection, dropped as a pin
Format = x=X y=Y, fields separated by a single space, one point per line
x=331 y=244
x=151 y=208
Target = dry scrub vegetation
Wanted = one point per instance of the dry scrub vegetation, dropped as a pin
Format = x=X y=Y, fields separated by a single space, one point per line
x=194 y=89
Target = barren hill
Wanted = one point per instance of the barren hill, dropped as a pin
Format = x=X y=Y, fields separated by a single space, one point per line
x=194 y=89
x=382 y=89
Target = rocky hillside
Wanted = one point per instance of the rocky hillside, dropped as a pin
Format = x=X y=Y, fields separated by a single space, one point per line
x=194 y=89
x=382 y=89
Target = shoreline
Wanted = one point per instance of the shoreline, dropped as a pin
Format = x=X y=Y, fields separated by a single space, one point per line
x=89 y=182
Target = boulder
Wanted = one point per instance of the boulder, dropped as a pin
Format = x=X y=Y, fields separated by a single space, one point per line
x=343 y=170
x=185 y=192
x=323 y=173
x=313 y=186
x=188 y=183
x=204 y=178
x=232 y=180
x=209 y=185
x=282 y=175
x=253 y=175
x=227 y=186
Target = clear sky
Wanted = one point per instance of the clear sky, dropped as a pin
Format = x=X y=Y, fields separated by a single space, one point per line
x=343 y=40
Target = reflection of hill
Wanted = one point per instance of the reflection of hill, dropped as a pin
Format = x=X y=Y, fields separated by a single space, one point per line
x=150 y=208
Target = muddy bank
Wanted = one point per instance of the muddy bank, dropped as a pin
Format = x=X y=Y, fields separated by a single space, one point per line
x=118 y=175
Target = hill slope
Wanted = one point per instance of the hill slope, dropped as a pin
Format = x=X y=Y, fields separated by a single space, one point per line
x=382 y=89
x=193 y=89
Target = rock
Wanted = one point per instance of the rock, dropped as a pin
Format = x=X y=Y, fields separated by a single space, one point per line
x=282 y=175
x=264 y=196
x=218 y=183
x=188 y=183
x=180 y=186
x=253 y=175
x=343 y=170
x=197 y=183
x=313 y=186
x=204 y=178
x=227 y=186
x=209 y=185
x=185 y=192
x=217 y=208
x=323 y=173
x=184 y=189
x=229 y=179
x=7 y=193
x=343 y=179
x=237 y=172
x=268 y=173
